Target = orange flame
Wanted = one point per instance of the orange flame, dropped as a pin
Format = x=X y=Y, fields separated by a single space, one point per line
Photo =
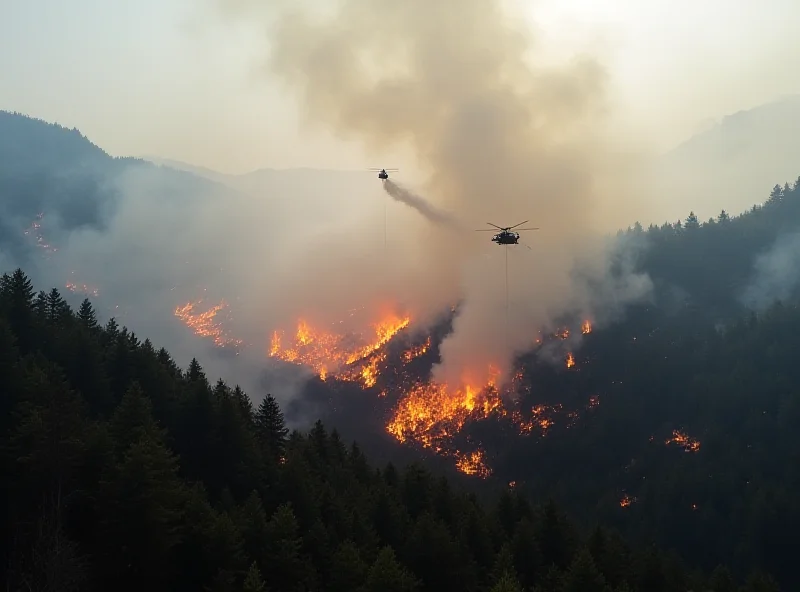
x=570 y=360
x=417 y=351
x=586 y=327
x=326 y=352
x=204 y=324
x=626 y=501
x=686 y=442
x=429 y=414
x=473 y=463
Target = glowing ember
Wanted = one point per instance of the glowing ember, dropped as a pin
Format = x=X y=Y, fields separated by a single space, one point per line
x=417 y=351
x=473 y=463
x=562 y=334
x=205 y=324
x=541 y=419
x=82 y=289
x=35 y=230
x=626 y=501
x=686 y=442
x=570 y=360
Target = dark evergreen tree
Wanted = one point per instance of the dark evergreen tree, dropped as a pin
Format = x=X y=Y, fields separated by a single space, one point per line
x=271 y=427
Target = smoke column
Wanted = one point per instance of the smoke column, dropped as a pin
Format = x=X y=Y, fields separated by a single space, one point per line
x=501 y=136
x=405 y=196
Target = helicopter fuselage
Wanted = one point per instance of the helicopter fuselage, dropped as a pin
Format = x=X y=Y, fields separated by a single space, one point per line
x=383 y=175
x=506 y=238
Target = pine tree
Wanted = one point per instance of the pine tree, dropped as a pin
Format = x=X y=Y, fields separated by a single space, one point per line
x=143 y=499
x=691 y=222
x=251 y=519
x=286 y=567
x=133 y=420
x=47 y=440
x=387 y=575
x=526 y=553
x=583 y=575
x=348 y=571
x=112 y=330
x=253 y=582
x=57 y=308
x=87 y=316
x=503 y=565
x=507 y=584
x=776 y=195
x=721 y=580
x=40 y=306
x=195 y=372
x=554 y=537
x=19 y=298
x=271 y=427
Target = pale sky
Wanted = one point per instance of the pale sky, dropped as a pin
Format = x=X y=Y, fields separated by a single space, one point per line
x=170 y=78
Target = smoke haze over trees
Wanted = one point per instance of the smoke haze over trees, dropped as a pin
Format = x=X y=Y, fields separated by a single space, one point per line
x=689 y=442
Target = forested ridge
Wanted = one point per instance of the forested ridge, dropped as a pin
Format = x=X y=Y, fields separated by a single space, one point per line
x=123 y=472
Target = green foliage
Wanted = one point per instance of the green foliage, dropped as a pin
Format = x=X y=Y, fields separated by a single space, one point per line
x=122 y=472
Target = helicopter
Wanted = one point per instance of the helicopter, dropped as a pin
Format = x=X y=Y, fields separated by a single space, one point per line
x=506 y=236
x=383 y=174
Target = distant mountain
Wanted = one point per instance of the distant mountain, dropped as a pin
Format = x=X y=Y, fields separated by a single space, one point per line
x=56 y=172
x=733 y=163
x=189 y=168
x=321 y=196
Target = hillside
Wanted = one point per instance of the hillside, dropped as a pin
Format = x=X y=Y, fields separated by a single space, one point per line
x=726 y=165
x=49 y=170
x=124 y=472
x=668 y=423
x=673 y=424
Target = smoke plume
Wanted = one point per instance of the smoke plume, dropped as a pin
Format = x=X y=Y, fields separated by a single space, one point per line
x=412 y=200
x=776 y=273
x=502 y=139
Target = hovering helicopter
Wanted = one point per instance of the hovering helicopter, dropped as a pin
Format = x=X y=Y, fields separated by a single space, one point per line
x=383 y=174
x=506 y=236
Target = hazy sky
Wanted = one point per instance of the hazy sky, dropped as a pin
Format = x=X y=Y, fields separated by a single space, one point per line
x=171 y=78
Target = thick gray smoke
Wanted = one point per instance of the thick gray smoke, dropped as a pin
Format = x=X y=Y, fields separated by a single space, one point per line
x=776 y=273
x=431 y=213
x=502 y=138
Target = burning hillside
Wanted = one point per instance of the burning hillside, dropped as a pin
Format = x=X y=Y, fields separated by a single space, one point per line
x=425 y=413
x=390 y=360
x=205 y=324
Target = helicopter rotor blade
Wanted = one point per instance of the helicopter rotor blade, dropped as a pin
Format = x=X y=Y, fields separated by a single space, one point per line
x=518 y=229
x=496 y=226
x=515 y=225
x=486 y=230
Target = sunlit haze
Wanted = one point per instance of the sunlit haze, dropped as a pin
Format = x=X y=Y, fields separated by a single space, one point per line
x=169 y=78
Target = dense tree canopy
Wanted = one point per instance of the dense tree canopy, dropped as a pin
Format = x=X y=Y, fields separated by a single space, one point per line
x=121 y=471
